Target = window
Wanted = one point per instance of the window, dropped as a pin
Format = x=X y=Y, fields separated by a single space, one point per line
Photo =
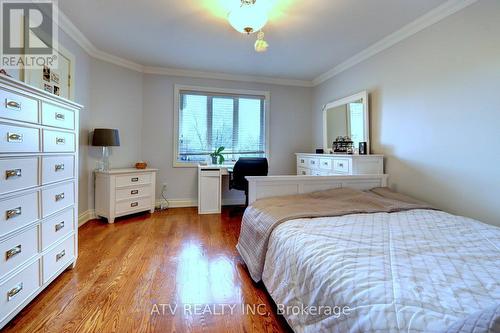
x=208 y=120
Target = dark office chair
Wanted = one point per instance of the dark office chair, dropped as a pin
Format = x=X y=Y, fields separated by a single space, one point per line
x=247 y=166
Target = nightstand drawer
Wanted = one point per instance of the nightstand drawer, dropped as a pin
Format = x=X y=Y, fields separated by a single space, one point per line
x=55 y=142
x=17 y=139
x=133 y=205
x=57 y=258
x=17 y=212
x=134 y=179
x=17 y=250
x=18 y=107
x=57 y=227
x=57 y=168
x=313 y=163
x=133 y=192
x=18 y=173
x=57 y=198
x=18 y=288
x=56 y=116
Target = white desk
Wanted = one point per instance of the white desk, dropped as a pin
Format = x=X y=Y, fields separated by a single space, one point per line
x=210 y=187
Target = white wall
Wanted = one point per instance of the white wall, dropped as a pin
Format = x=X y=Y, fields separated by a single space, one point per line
x=290 y=130
x=435 y=106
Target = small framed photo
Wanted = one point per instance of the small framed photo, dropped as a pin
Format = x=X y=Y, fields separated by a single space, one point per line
x=46 y=73
x=47 y=87
x=54 y=77
x=57 y=91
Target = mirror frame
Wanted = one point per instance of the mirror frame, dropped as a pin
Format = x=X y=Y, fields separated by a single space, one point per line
x=346 y=100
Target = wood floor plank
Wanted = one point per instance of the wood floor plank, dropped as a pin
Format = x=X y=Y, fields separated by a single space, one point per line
x=176 y=258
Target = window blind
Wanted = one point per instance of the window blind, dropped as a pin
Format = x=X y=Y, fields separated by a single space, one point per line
x=208 y=121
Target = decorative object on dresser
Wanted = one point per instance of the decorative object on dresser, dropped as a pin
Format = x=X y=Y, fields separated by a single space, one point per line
x=332 y=164
x=38 y=192
x=105 y=138
x=141 y=165
x=346 y=123
x=120 y=192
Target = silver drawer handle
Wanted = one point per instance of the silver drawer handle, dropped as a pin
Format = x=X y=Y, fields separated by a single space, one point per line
x=11 y=213
x=134 y=180
x=60 y=141
x=302 y=161
x=14 y=137
x=134 y=192
x=12 y=105
x=13 y=173
x=59 y=196
x=341 y=165
x=303 y=172
x=60 y=255
x=59 y=226
x=14 y=291
x=60 y=116
x=12 y=252
x=59 y=167
x=312 y=162
x=134 y=204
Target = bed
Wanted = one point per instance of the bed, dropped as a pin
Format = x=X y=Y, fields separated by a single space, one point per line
x=403 y=267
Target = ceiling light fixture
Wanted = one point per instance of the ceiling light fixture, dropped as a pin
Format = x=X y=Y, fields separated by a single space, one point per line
x=248 y=17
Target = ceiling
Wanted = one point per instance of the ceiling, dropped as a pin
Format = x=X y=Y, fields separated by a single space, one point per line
x=307 y=38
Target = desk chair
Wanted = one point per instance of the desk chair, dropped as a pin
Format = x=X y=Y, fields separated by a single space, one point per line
x=246 y=166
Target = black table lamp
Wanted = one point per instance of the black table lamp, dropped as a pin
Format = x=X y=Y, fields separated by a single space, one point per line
x=105 y=137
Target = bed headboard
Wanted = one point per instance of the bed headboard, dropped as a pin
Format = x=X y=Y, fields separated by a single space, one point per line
x=272 y=186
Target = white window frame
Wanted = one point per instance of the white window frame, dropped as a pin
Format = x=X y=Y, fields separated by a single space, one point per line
x=177 y=90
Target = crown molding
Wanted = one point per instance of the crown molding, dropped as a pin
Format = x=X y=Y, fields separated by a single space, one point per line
x=72 y=31
x=439 y=13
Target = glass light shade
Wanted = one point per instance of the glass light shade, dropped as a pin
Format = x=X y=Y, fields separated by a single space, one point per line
x=248 y=18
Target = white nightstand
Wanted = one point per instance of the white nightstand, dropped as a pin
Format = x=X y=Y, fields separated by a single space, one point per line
x=120 y=192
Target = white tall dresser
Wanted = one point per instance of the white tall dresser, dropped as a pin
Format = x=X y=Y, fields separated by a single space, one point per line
x=38 y=192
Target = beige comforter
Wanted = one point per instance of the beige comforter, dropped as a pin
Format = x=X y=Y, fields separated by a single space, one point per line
x=263 y=216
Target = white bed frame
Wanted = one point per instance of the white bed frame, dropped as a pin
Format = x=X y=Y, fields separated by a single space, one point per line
x=272 y=186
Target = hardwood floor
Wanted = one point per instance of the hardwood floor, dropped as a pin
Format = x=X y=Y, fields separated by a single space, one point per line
x=129 y=273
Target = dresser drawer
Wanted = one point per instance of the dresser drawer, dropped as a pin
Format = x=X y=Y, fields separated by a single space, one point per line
x=57 y=227
x=341 y=165
x=57 y=258
x=18 y=107
x=302 y=162
x=135 y=179
x=17 y=250
x=56 y=168
x=133 y=192
x=17 y=139
x=56 y=142
x=314 y=163
x=17 y=212
x=133 y=205
x=18 y=173
x=303 y=172
x=53 y=115
x=57 y=198
x=325 y=163
x=18 y=288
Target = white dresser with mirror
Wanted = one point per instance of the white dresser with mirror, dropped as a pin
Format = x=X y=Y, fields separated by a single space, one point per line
x=38 y=192
x=345 y=117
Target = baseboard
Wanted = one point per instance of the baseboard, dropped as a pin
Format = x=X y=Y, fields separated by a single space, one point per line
x=85 y=217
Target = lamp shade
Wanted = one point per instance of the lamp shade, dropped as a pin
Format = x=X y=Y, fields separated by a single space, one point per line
x=106 y=137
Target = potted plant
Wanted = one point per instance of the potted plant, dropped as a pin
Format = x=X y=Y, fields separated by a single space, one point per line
x=217 y=154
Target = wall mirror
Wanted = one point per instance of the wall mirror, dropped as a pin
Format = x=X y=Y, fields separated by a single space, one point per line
x=349 y=117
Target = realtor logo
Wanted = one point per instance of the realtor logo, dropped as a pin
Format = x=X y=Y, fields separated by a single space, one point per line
x=29 y=34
